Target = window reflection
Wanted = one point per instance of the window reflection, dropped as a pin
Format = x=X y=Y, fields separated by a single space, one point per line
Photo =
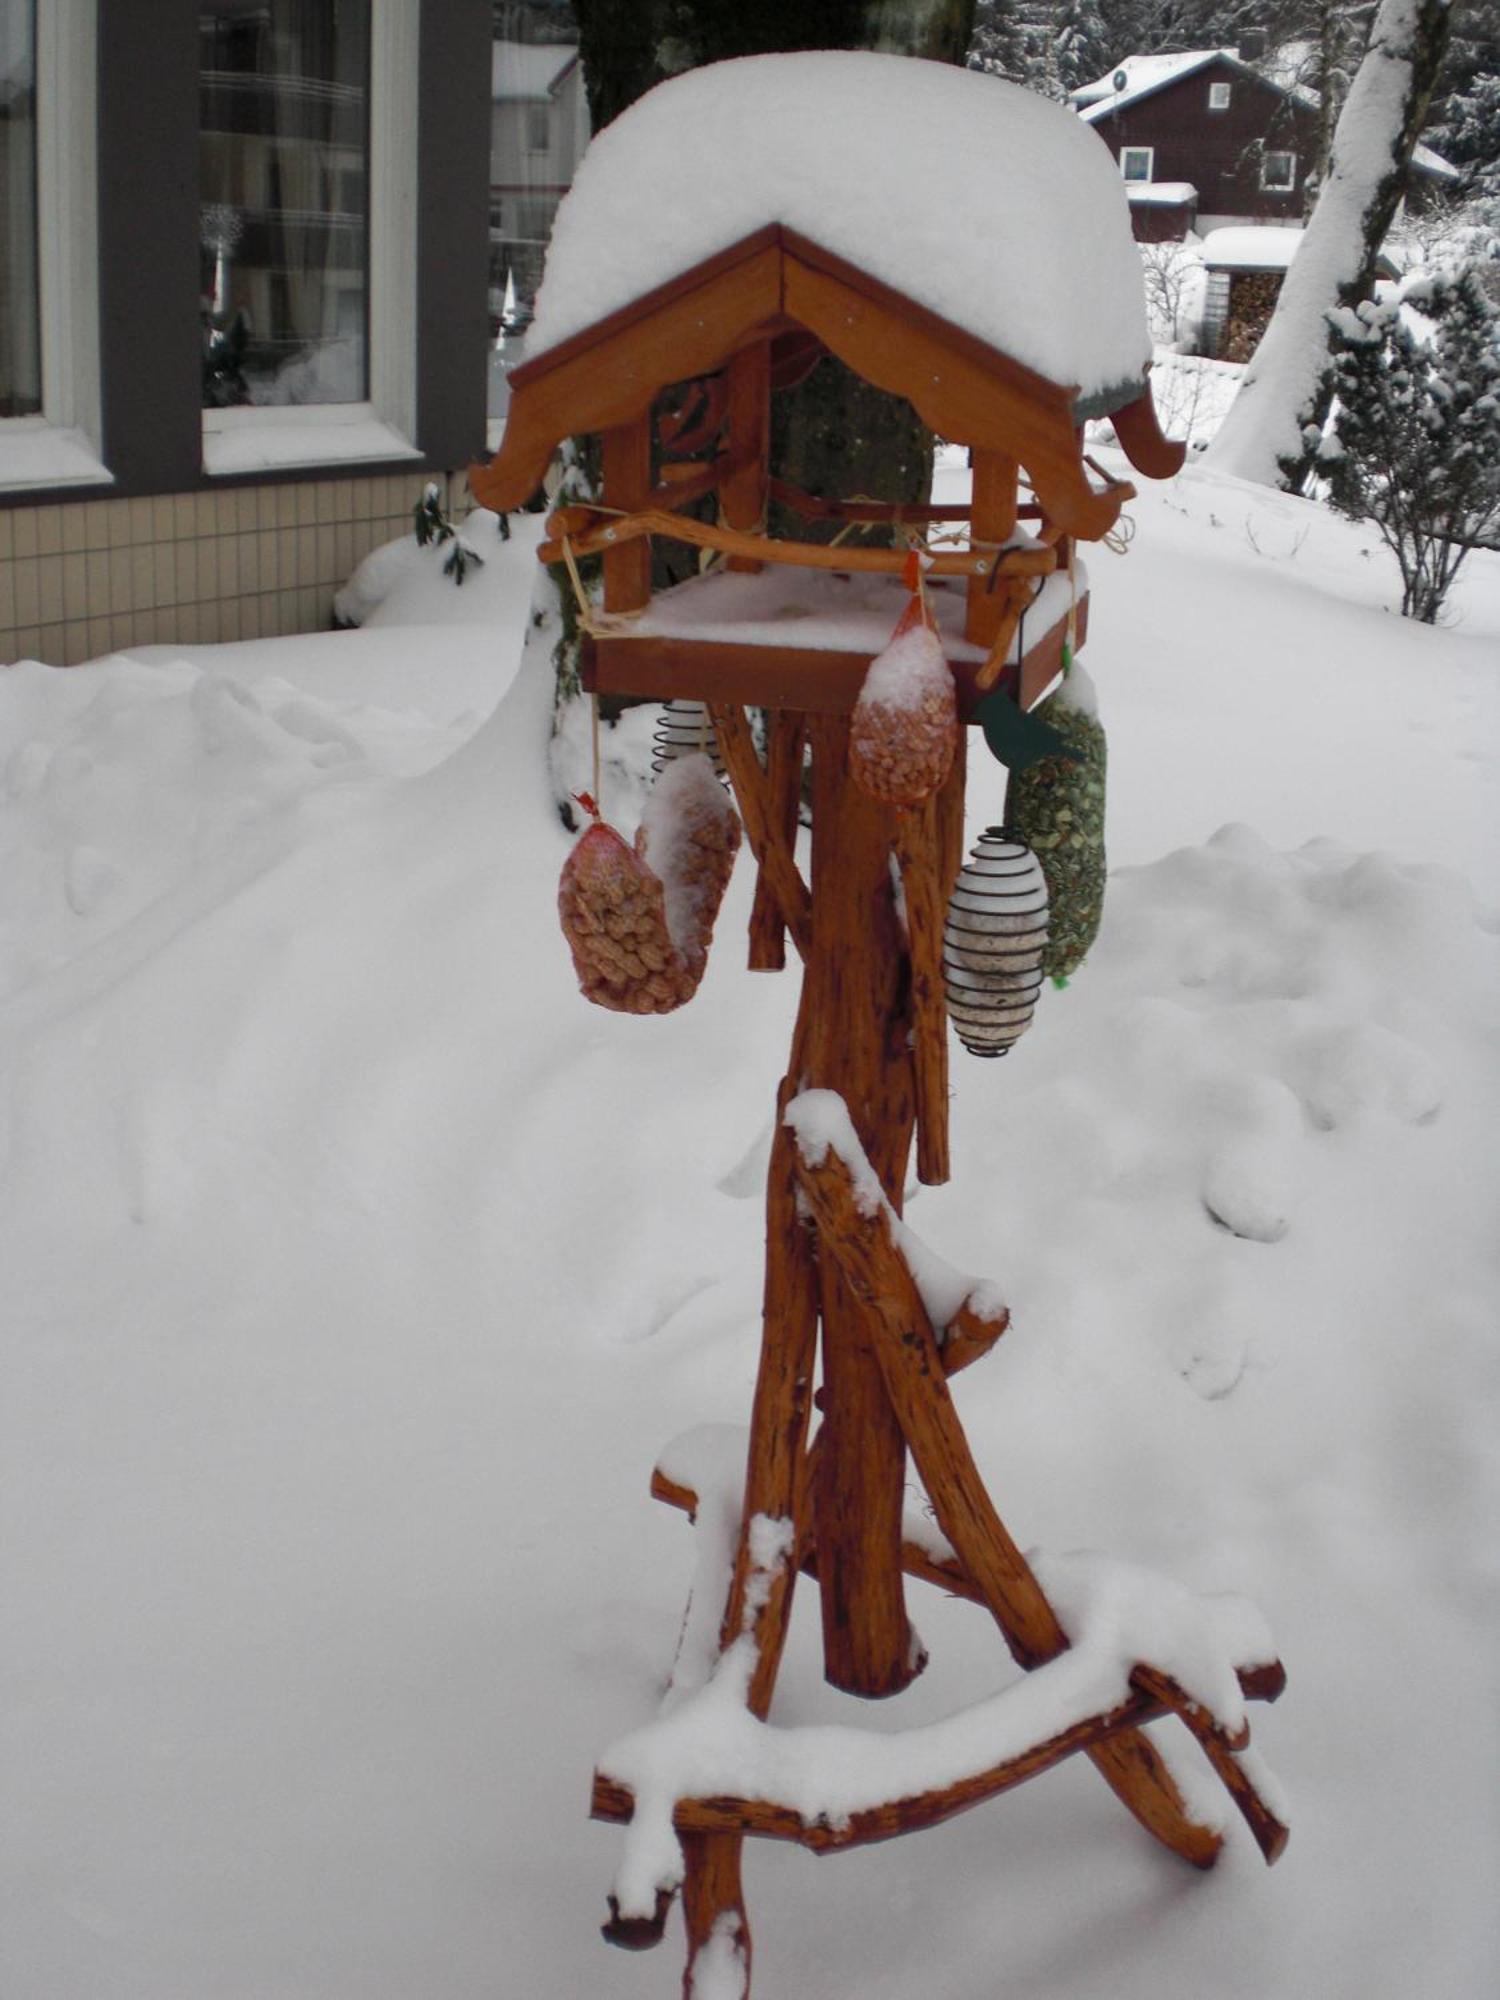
x=284 y=193
x=20 y=301
x=539 y=128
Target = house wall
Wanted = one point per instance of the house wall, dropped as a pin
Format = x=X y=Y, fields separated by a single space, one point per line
x=1155 y=222
x=166 y=552
x=1219 y=151
x=87 y=577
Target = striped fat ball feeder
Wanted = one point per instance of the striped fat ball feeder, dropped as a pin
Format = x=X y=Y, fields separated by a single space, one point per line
x=681 y=728
x=1057 y=807
x=993 y=943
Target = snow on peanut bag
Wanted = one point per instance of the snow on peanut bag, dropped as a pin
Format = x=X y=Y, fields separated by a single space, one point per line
x=638 y=920
x=904 y=731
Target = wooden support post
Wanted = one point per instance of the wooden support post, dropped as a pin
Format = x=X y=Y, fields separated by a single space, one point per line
x=879 y=1279
x=992 y=519
x=743 y=494
x=713 y=1908
x=783 y=1403
x=626 y=462
x=770 y=844
x=858 y=1043
x=785 y=741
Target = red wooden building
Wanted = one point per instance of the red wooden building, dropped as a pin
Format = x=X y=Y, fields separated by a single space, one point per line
x=1205 y=141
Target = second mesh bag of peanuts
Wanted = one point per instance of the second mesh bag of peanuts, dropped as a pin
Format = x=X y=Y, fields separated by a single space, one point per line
x=639 y=920
x=904 y=730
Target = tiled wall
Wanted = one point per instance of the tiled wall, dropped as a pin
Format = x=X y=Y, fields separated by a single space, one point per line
x=85 y=577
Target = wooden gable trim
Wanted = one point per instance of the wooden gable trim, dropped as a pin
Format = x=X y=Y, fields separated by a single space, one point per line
x=609 y=374
x=776 y=279
x=992 y=360
x=1144 y=442
x=963 y=389
x=658 y=299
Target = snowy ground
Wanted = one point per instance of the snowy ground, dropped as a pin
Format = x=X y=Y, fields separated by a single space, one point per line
x=357 y=1272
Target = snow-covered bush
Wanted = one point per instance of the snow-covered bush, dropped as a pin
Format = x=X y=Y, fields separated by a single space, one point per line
x=1414 y=445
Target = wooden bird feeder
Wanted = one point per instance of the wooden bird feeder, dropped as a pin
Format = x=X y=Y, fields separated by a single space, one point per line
x=678 y=385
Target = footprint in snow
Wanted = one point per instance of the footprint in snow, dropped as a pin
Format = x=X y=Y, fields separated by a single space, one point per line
x=1365 y=1072
x=89 y=879
x=1252 y=1178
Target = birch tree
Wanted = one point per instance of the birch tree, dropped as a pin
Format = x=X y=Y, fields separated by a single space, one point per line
x=1272 y=429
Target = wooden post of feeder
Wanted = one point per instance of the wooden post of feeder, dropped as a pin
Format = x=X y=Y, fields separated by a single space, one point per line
x=993 y=520
x=625 y=453
x=743 y=494
x=743 y=497
x=858 y=1043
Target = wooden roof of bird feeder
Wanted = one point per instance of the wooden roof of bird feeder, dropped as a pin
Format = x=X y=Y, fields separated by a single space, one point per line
x=1006 y=311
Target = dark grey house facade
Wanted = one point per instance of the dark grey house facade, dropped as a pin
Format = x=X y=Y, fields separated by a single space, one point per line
x=243 y=249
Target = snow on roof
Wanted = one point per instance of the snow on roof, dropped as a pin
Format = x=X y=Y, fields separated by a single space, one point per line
x=986 y=203
x=1251 y=248
x=1428 y=162
x=1284 y=69
x=521 y=70
x=1159 y=194
x=1141 y=75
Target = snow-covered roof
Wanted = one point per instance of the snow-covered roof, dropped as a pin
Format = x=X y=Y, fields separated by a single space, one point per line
x=1251 y=248
x=1159 y=194
x=1022 y=238
x=1135 y=77
x=1428 y=162
x=520 y=70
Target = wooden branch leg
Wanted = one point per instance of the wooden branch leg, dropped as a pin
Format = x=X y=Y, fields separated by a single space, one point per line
x=918 y=851
x=859 y=1044
x=713 y=1908
x=876 y=1272
x=1269 y=1829
x=786 y=739
x=772 y=848
x=779 y=1418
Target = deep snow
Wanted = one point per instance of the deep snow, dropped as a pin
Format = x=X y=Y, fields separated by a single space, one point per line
x=357 y=1272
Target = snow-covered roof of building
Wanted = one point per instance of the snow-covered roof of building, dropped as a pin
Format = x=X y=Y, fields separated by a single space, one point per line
x=989 y=205
x=526 y=70
x=1251 y=247
x=1160 y=194
x=1135 y=77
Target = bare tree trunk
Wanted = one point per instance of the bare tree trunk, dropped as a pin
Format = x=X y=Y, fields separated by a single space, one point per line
x=1271 y=431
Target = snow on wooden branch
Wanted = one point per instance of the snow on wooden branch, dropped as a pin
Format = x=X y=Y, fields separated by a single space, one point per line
x=711 y=1766
x=953 y=1300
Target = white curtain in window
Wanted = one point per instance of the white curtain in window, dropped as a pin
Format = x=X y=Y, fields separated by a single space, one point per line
x=284 y=191
x=20 y=301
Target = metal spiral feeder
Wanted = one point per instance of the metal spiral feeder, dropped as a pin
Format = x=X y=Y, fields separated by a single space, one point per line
x=682 y=728
x=993 y=941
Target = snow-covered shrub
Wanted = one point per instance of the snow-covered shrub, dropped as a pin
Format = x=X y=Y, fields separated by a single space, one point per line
x=1414 y=445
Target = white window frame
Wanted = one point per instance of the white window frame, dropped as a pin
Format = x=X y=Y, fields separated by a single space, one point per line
x=1288 y=186
x=1219 y=95
x=63 y=445
x=385 y=427
x=1146 y=152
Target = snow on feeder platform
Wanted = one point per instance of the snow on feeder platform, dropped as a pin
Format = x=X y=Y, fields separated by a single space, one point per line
x=670 y=315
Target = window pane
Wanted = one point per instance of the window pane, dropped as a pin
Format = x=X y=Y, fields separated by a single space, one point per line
x=284 y=185
x=538 y=132
x=20 y=299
